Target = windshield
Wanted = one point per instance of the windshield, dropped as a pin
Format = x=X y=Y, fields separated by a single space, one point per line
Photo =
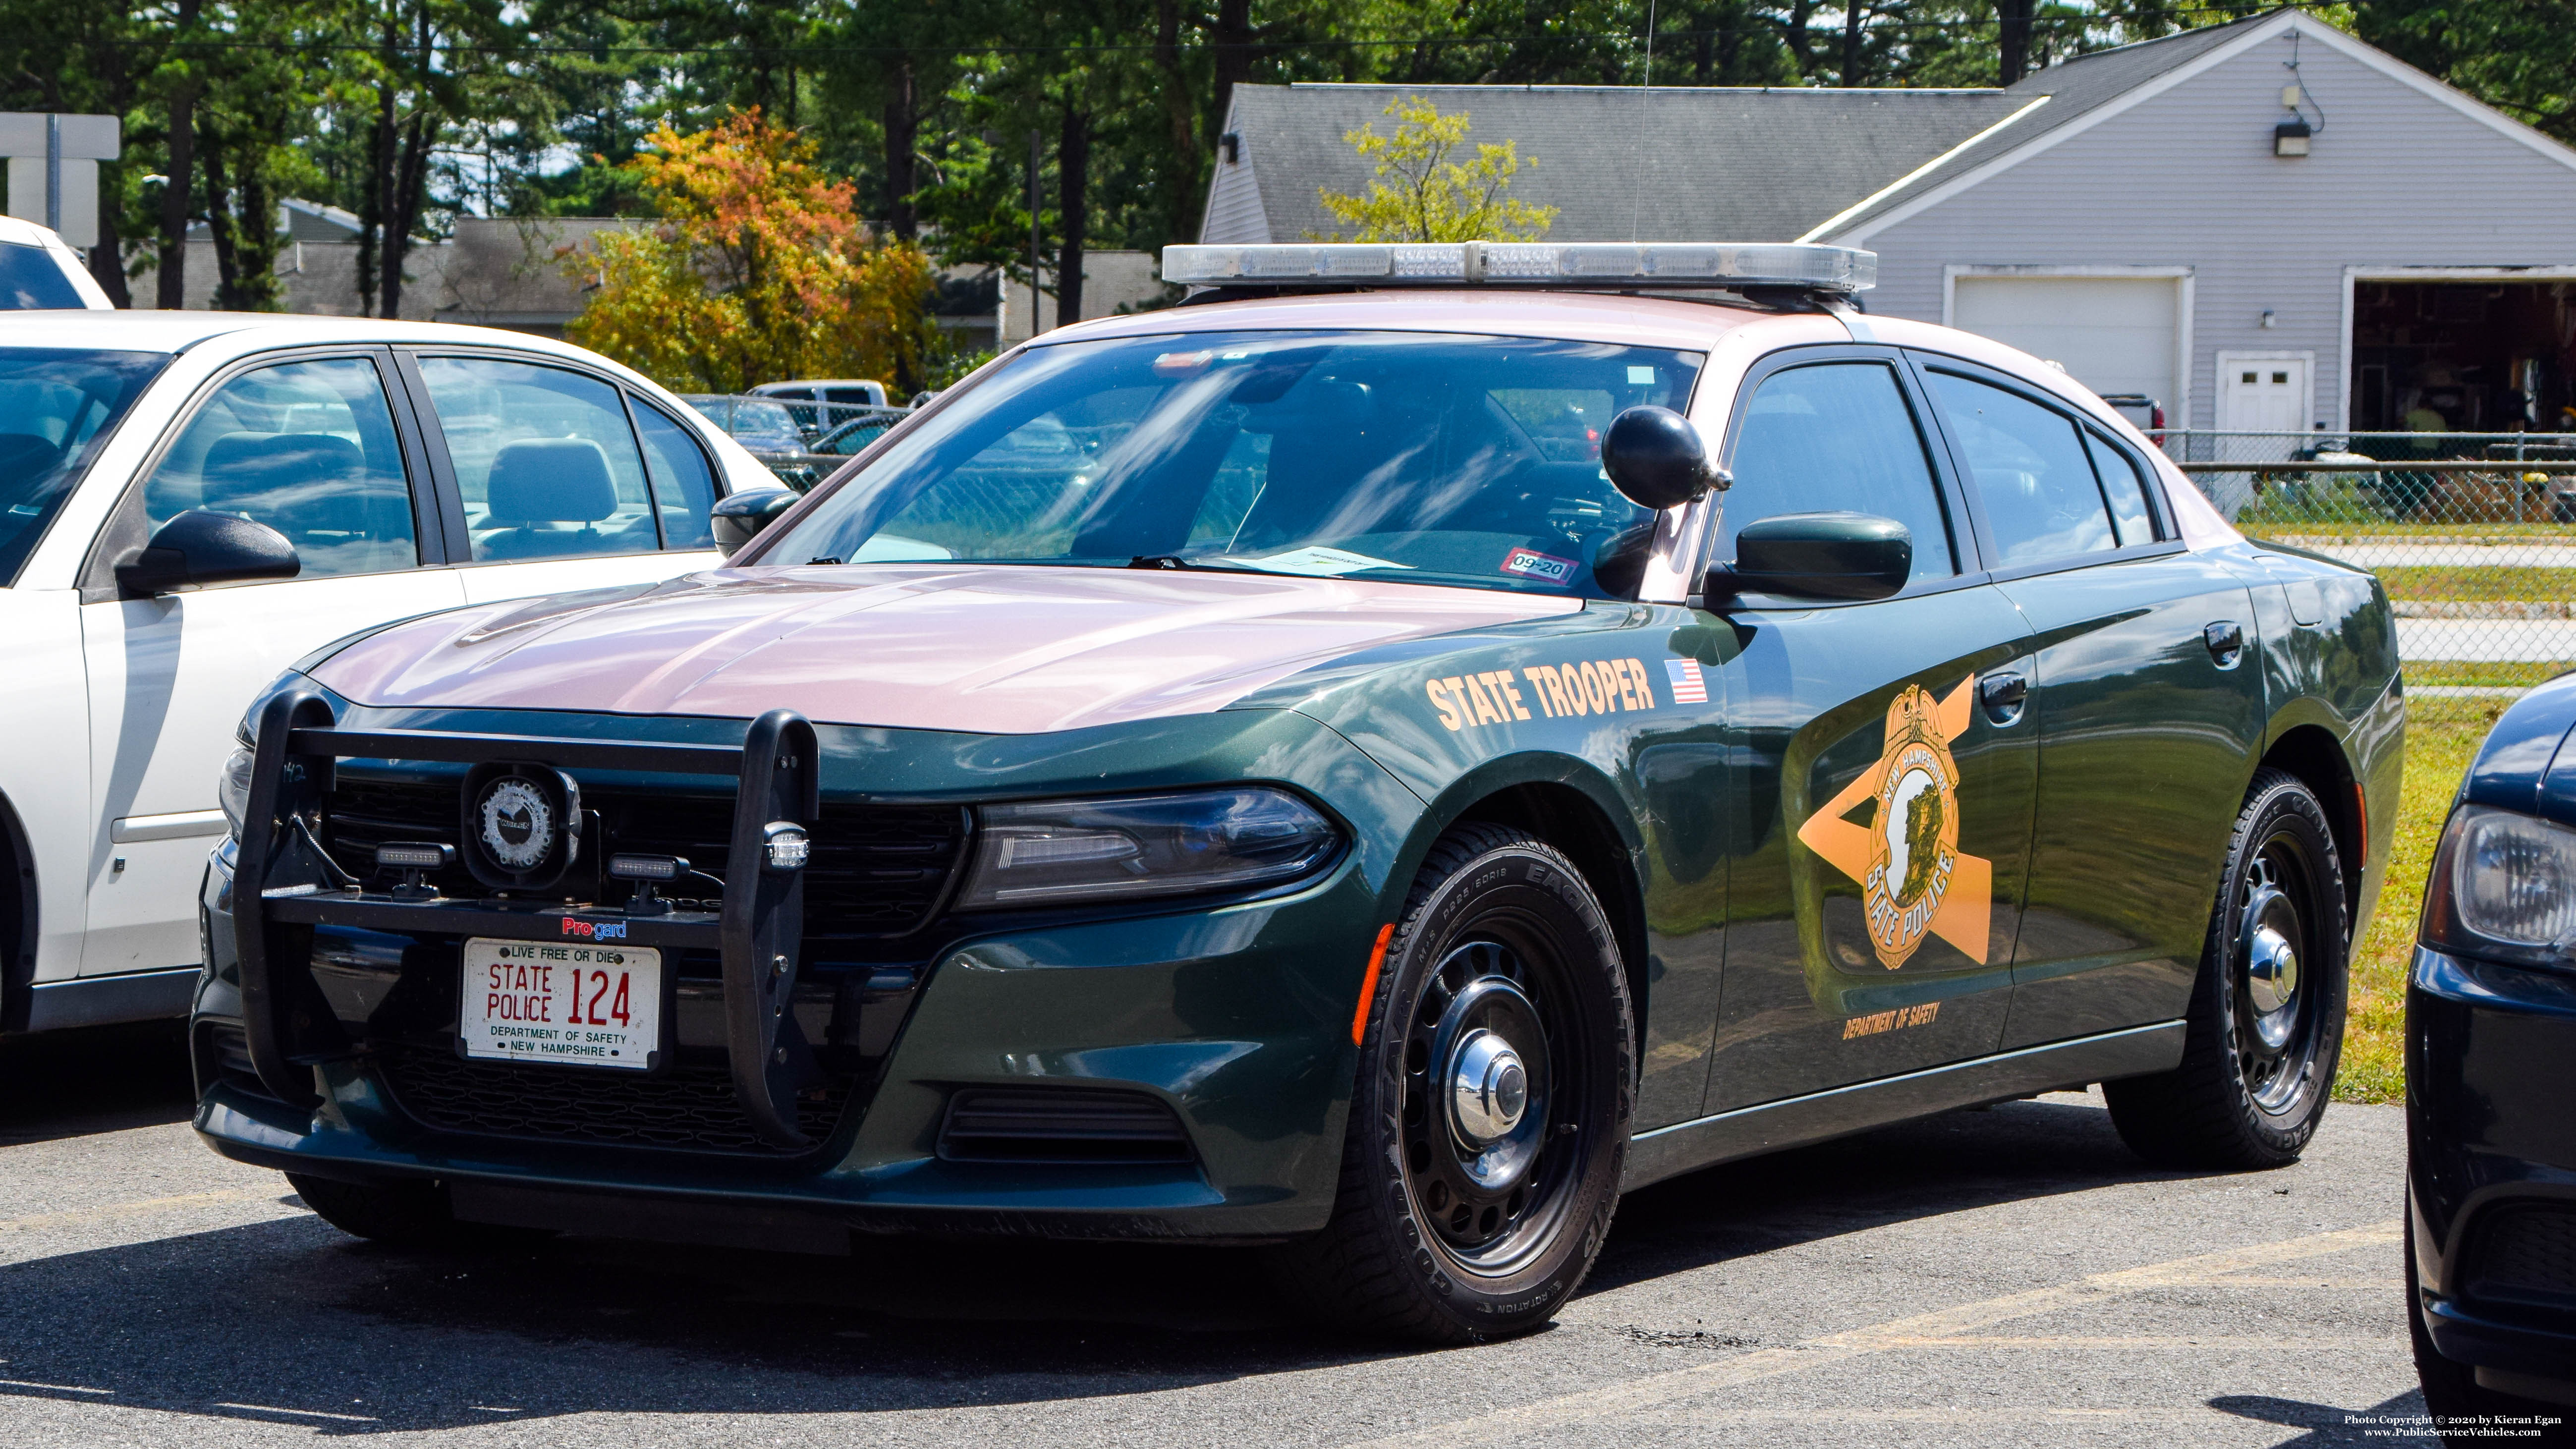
x=1422 y=458
x=56 y=407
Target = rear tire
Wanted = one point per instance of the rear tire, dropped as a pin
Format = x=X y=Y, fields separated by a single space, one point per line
x=2264 y=1029
x=1490 y=1117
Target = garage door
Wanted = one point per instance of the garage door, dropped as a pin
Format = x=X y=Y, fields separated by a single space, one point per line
x=2113 y=334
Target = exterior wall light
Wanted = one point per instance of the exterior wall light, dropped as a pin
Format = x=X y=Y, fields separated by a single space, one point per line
x=2290 y=138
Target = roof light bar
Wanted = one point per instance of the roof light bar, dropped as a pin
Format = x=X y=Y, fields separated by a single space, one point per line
x=1618 y=264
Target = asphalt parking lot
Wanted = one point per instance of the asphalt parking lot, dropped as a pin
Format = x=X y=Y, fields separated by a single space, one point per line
x=2007 y=1276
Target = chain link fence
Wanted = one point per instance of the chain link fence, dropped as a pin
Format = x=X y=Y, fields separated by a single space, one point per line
x=2472 y=534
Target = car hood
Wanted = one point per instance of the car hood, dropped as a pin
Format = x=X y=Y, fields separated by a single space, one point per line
x=2524 y=764
x=993 y=649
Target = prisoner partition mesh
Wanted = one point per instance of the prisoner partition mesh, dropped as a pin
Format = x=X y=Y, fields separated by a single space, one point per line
x=2480 y=563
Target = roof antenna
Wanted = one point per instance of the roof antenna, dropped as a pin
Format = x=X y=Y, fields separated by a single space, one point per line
x=1637 y=186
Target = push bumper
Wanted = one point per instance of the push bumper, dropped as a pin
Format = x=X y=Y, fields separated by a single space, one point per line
x=1236 y=1019
x=2492 y=1165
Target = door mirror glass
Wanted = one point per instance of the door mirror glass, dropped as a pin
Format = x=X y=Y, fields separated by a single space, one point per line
x=740 y=518
x=306 y=448
x=1817 y=556
x=1655 y=459
x=198 y=548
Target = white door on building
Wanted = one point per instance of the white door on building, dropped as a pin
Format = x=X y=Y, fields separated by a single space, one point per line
x=2112 y=334
x=2262 y=394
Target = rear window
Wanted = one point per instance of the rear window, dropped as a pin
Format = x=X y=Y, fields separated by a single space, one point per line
x=57 y=407
x=32 y=277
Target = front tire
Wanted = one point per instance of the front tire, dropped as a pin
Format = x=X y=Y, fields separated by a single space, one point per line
x=402 y=1215
x=1490 y=1117
x=2264 y=1029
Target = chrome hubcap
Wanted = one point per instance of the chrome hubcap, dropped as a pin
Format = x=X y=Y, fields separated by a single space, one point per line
x=2272 y=980
x=1488 y=1089
x=2272 y=1010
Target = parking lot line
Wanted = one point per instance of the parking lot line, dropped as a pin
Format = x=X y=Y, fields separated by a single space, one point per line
x=2206 y=1270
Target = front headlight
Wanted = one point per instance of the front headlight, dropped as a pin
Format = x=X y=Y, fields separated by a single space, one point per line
x=2503 y=884
x=1060 y=851
x=232 y=787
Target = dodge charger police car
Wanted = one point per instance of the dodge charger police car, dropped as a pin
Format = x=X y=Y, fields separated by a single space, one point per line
x=1373 y=762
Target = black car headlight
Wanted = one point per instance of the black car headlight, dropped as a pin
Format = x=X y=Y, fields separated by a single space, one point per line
x=1060 y=851
x=2503 y=884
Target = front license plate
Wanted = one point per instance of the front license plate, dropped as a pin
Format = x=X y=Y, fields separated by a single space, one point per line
x=537 y=1001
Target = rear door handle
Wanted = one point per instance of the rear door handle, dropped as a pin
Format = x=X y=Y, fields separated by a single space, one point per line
x=2226 y=641
x=2003 y=696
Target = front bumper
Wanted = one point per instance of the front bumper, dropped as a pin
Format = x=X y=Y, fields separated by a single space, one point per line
x=2491 y=1162
x=1219 y=1015
x=1229 y=1021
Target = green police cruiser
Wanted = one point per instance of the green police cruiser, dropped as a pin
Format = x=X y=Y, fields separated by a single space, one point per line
x=1374 y=761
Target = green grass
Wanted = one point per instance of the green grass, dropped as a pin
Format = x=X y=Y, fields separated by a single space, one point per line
x=2441 y=736
x=2477 y=584
x=2365 y=527
x=2482 y=673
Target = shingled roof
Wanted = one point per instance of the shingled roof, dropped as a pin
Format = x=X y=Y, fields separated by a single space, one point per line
x=1676 y=162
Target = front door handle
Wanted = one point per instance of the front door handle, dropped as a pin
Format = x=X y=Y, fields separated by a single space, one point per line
x=2226 y=641
x=2003 y=696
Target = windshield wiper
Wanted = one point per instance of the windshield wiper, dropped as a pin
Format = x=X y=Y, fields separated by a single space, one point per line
x=1175 y=561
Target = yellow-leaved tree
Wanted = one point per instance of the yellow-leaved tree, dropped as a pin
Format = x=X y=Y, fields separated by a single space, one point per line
x=758 y=271
x=1421 y=195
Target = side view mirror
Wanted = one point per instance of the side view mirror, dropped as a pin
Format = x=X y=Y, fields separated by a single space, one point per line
x=206 y=548
x=739 y=517
x=1655 y=460
x=1817 y=556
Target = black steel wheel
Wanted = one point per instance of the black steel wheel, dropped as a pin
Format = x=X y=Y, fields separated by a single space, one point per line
x=2264 y=1029
x=1490 y=1117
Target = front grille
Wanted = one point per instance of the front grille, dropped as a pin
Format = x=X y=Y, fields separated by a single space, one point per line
x=1060 y=1124
x=686 y=1108
x=877 y=870
x=2525 y=1251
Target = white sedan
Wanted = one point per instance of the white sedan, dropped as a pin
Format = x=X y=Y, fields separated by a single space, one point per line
x=190 y=501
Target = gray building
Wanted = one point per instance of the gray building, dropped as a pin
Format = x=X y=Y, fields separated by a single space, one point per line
x=509 y=272
x=488 y=272
x=2169 y=218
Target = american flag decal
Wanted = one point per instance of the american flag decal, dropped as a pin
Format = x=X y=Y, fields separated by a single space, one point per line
x=1688 y=685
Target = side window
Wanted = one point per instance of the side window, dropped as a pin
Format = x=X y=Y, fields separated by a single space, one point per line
x=307 y=448
x=684 y=487
x=544 y=458
x=2032 y=475
x=2127 y=492
x=1830 y=437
